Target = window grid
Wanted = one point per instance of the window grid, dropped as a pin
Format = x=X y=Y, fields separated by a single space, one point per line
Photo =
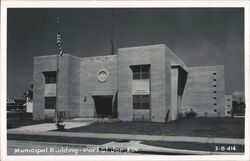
x=50 y=77
x=141 y=101
x=140 y=72
x=50 y=102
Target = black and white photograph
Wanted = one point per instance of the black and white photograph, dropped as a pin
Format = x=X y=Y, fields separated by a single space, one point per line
x=125 y=82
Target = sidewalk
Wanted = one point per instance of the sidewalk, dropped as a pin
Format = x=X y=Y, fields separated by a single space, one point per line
x=44 y=127
x=131 y=137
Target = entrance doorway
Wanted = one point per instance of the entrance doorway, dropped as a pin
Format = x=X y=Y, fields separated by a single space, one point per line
x=103 y=106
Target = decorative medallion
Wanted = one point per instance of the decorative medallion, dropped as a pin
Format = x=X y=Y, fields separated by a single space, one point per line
x=102 y=75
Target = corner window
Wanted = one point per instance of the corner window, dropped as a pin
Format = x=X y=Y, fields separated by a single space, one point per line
x=50 y=102
x=141 y=101
x=140 y=71
x=50 y=77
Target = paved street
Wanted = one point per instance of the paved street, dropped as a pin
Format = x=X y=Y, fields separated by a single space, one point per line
x=17 y=147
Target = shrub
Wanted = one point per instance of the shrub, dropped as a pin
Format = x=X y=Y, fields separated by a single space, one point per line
x=60 y=126
x=191 y=113
x=179 y=116
x=166 y=117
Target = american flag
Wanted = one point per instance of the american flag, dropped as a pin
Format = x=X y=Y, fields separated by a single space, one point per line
x=58 y=39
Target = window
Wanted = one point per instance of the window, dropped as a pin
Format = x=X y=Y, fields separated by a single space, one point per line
x=215 y=110
x=215 y=104
x=214 y=91
x=214 y=73
x=50 y=102
x=62 y=114
x=214 y=85
x=215 y=98
x=141 y=101
x=228 y=99
x=140 y=71
x=228 y=112
x=214 y=79
x=50 y=77
x=228 y=106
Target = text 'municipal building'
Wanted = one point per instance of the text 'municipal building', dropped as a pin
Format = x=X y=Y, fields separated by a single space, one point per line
x=139 y=83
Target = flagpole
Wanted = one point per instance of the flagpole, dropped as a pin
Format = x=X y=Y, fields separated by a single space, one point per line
x=112 y=31
x=57 y=72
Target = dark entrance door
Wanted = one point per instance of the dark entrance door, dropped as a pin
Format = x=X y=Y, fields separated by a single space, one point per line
x=103 y=106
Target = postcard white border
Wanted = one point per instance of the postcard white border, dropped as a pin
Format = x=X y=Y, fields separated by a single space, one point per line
x=110 y=4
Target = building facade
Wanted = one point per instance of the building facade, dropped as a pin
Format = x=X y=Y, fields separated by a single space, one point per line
x=139 y=83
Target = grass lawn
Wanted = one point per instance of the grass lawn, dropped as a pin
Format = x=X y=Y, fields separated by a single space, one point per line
x=26 y=122
x=197 y=146
x=19 y=119
x=199 y=126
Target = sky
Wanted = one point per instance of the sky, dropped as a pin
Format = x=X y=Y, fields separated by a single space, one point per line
x=198 y=36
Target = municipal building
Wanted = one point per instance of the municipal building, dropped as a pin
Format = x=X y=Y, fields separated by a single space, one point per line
x=148 y=83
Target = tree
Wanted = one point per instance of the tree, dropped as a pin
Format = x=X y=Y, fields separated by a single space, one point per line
x=29 y=94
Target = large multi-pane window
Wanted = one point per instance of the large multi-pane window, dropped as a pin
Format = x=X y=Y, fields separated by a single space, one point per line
x=50 y=77
x=141 y=101
x=50 y=102
x=140 y=71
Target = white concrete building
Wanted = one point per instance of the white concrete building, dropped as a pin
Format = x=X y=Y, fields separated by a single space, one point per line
x=139 y=83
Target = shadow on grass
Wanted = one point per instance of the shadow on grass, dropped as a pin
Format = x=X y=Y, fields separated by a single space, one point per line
x=15 y=123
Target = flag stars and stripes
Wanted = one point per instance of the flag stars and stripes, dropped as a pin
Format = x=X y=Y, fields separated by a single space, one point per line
x=59 y=39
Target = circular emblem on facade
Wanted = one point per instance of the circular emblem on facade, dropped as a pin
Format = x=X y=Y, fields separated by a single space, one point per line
x=102 y=75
